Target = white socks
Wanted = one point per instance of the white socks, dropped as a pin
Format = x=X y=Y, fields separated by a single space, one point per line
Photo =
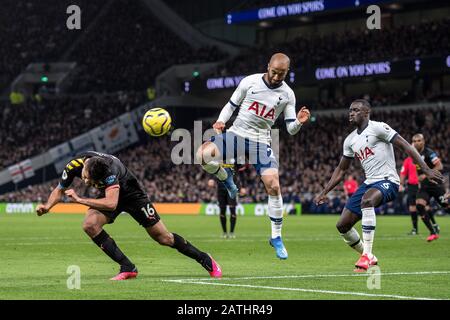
x=353 y=240
x=368 y=227
x=216 y=169
x=276 y=214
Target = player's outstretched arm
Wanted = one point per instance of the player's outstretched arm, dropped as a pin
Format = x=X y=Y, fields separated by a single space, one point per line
x=224 y=116
x=54 y=198
x=293 y=127
x=433 y=175
x=336 y=178
x=303 y=115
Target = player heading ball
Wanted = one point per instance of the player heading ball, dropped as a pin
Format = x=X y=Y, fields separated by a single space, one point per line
x=260 y=99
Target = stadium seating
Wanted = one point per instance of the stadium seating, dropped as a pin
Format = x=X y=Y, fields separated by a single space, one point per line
x=128 y=48
x=125 y=49
x=352 y=46
x=53 y=121
x=306 y=163
x=32 y=31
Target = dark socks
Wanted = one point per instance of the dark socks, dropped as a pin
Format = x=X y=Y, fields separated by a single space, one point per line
x=414 y=219
x=431 y=215
x=232 y=219
x=425 y=217
x=109 y=246
x=189 y=250
x=223 y=219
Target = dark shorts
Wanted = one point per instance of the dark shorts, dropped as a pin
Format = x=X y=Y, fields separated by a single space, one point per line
x=224 y=199
x=412 y=194
x=140 y=208
x=428 y=191
x=388 y=189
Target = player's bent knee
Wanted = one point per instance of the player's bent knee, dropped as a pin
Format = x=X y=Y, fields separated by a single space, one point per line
x=367 y=203
x=165 y=239
x=274 y=189
x=207 y=153
x=91 y=228
x=421 y=202
x=199 y=154
x=343 y=227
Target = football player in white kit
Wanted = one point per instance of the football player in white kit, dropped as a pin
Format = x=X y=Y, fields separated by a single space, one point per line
x=372 y=143
x=260 y=98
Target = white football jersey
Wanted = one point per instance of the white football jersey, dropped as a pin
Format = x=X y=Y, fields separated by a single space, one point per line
x=259 y=107
x=375 y=151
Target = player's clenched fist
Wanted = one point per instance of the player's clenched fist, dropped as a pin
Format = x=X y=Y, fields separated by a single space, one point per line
x=72 y=195
x=303 y=115
x=219 y=126
x=41 y=209
x=320 y=199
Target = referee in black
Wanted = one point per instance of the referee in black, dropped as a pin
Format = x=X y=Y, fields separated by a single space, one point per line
x=225 y=201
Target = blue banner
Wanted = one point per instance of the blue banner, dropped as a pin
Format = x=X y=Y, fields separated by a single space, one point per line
x=297 y=8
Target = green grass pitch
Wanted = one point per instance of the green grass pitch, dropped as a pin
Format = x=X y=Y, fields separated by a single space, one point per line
x=36 y=253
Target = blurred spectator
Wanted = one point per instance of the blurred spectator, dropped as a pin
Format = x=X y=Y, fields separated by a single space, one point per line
x=350 y=186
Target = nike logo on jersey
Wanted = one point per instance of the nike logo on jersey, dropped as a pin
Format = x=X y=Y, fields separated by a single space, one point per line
x=263 y=111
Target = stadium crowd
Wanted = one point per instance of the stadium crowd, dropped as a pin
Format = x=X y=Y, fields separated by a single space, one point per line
x=128 y=48
x=307 y=161
x=35 y=126
x=35 y=31
x=125 y=49
x=353 y=46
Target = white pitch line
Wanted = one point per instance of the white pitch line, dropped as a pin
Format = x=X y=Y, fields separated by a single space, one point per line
x=312 y=290
x=316 y=276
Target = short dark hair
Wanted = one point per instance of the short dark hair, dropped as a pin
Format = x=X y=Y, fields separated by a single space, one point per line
x=98 y=168
x=363 y=102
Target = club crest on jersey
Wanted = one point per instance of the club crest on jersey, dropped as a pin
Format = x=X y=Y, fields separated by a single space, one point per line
x=364 y=154
x=109 y=180
x=270 y=114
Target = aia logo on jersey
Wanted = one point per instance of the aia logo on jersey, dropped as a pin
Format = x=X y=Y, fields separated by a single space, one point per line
x=364 y=154
x=270 y=114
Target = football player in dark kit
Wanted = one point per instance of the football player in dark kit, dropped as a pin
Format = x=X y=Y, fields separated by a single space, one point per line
x=427 y=188
x=120 y=191
x=224 y=200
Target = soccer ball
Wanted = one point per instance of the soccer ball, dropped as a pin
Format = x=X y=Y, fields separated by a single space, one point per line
x=156 y=122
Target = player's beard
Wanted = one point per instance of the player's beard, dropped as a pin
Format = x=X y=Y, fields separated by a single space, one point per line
x=272 y=82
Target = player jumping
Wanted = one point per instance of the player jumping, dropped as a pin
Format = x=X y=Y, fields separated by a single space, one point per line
x=372 y=143
x=260 y=98
x=119 y=191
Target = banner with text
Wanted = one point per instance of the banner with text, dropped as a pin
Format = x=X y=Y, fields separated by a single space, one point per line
x=250 y=209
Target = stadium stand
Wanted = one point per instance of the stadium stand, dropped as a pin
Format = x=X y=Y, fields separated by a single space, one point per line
x=306 y=163
x=53 y=121
x=128 y=48
x=33 y=31
x=361 y=45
